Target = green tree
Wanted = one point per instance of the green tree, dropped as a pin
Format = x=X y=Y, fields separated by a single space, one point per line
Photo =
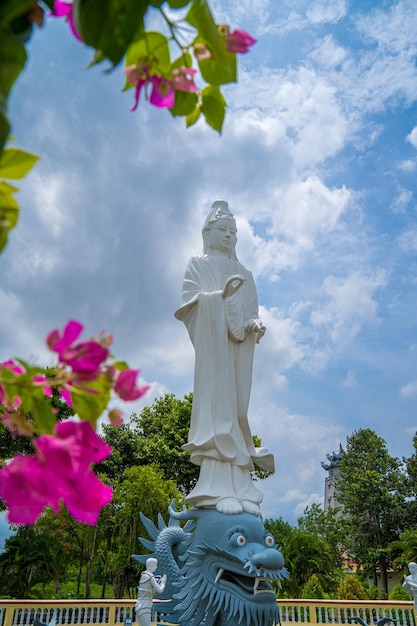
x=313 y=588
x=154 y=437
x=406 y=549
x=330 y=525
x=164 y=430
x=372 y=490
x=351 y=588
x=398 y=593
x=61 y=550
x=411 y=467
x=305 y=554
x=24 y=561
x=141 y=489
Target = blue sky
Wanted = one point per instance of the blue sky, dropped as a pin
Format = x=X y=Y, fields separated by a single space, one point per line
x=318 y=161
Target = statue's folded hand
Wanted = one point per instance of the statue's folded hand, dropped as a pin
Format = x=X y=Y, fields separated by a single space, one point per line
x=256 y=326
x=233 y=284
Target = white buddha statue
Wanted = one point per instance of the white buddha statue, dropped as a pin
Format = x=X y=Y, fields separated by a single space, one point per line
x=220 y=310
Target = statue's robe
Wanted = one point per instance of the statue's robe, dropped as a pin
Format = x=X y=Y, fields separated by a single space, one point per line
x=220 y=440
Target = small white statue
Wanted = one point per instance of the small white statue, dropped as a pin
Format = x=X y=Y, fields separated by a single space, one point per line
x=149 y=585
x=410 y=582
x=220 y=310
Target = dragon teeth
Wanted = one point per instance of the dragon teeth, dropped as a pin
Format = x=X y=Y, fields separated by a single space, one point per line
x=219 y=575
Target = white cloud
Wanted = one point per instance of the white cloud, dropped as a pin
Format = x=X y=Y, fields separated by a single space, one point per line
x=408 y=165
x=312 y=498
x=409 y=390
x=282 y=348
x=400 y=202
x=299 y=107
x=307 y=208
x=412 y=137
x=20 y=336
x=351 y=379
x=321 y=11
x=328 y=53
x=350 y=304
x=51 y=192
x=408 y=240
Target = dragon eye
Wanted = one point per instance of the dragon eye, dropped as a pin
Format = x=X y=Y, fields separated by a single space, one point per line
x=238 y=539
x=269 y=541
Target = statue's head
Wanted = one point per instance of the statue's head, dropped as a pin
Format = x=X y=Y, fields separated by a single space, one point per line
x=151 y=564
x=219 y=216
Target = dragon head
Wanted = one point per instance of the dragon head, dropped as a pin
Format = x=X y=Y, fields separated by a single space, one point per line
x=225 y=571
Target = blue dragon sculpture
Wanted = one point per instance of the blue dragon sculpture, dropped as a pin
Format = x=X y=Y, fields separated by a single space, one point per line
x=217 y=567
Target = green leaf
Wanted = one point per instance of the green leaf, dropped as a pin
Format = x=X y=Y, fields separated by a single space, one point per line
x=193 y=117
x=13 y=58
x=43 y=415
x=219 y=72
x=199 y=16
x=9 y=214
x=30 y=369
x=4 y=122
x=153 y=46
x=16 y=163
x=10 y=9
x=109 y=25
x=90 y=405
x=177 y=4
x=98 y=57
x=6 y=188
x=185 y=103
x=121 y=365
x=213 y=107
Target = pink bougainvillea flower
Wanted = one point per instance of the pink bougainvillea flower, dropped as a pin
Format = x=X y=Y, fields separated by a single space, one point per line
x=126 y=388
x=137 y=75
x=84 y=358
x=162 y=94
x=57 y=342
x=87 y=497
x=87 y=447
x=14 y=367
x=182 y=79
x=27 y=489
x=57 y=455
x=66 y=396
x=239 y=41
x=10 y=406
x=65 y=9
x=59 y=470
x=18 y=424
x=41 y=380
x=201 y=52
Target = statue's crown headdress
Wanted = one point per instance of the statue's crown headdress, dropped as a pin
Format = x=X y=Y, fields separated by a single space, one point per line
x=219 y=210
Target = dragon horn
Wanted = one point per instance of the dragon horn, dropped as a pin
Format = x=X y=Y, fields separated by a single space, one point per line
x=184 y=513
